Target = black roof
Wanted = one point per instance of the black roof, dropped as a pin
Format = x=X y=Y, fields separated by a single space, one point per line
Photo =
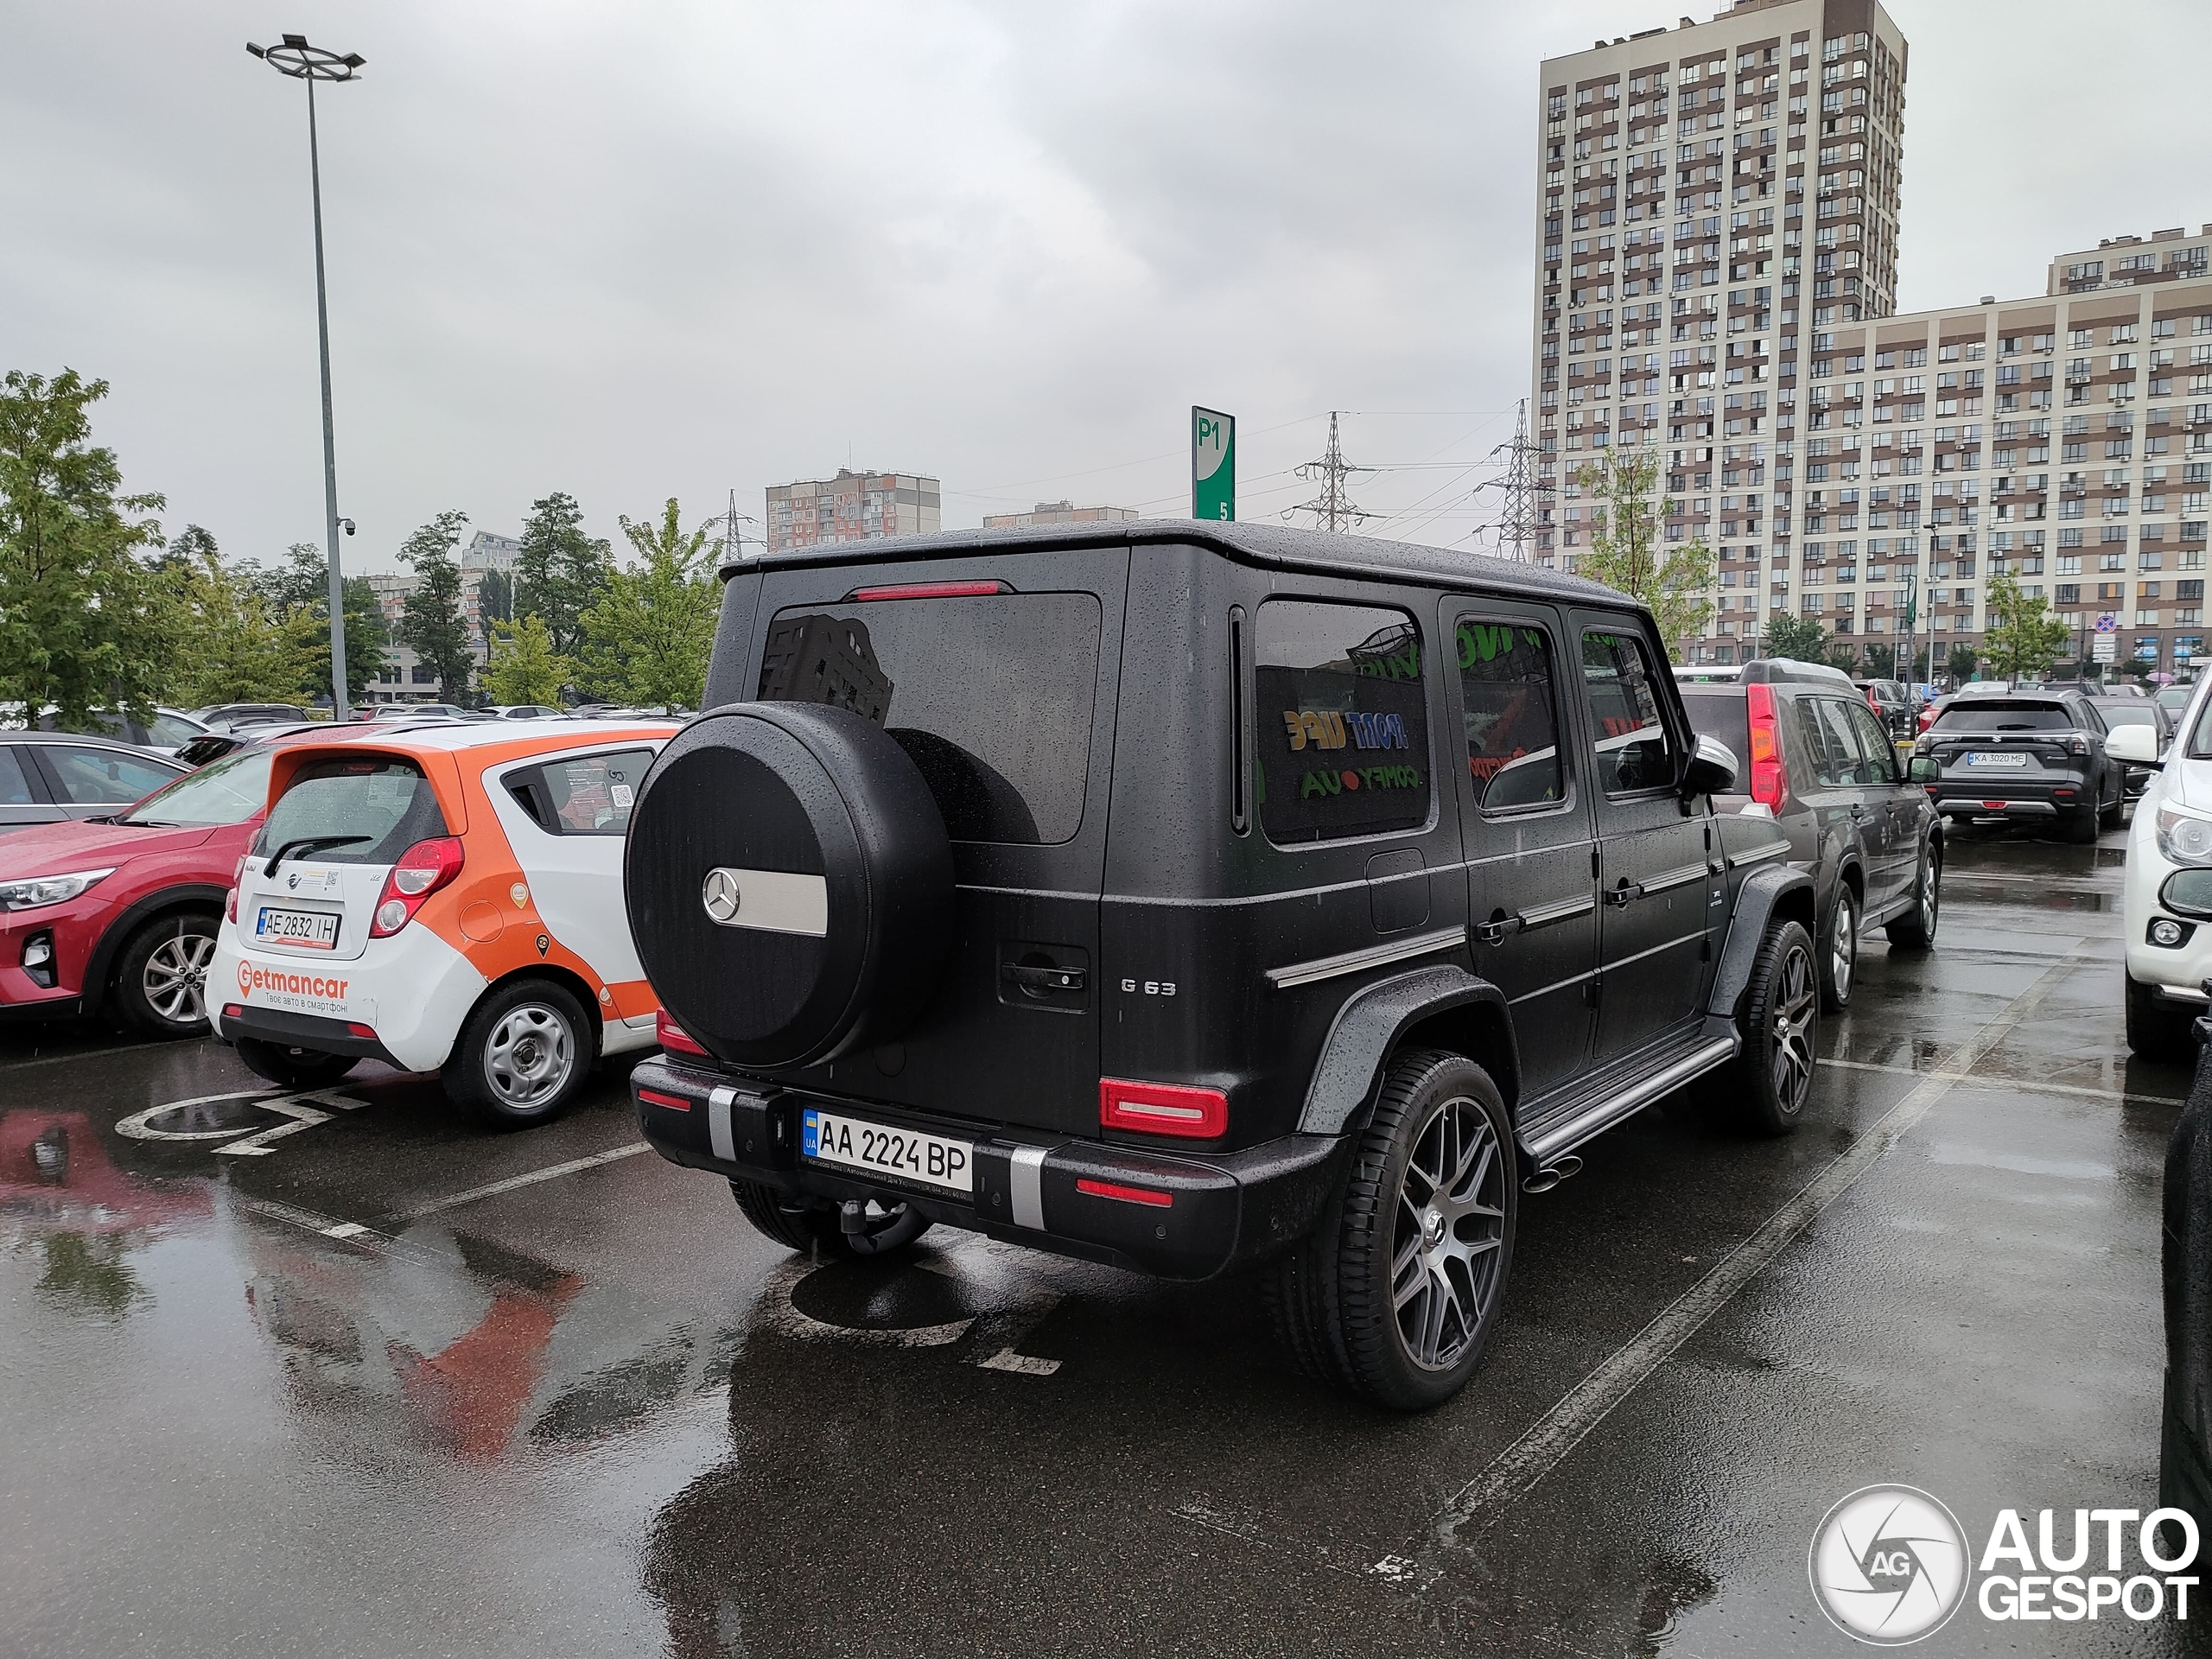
x=1278 y=546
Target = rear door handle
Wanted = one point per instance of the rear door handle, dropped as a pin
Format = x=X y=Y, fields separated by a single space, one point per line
x=1046 y=979
x=1624 y=894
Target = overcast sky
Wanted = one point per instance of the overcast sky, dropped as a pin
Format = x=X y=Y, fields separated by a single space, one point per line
x=651 y=249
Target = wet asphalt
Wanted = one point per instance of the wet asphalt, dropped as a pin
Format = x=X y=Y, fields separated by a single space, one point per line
x=387 y=1384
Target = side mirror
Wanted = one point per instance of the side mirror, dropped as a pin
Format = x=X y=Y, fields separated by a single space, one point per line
x=1924 y=769
x=2138 y=745
x=1711 y=769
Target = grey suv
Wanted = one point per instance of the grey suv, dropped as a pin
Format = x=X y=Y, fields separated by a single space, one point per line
x=1820 y=763
x=1192 y=896
x=2025 y=754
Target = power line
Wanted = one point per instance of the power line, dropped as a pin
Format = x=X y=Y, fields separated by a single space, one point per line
x=1332 y=510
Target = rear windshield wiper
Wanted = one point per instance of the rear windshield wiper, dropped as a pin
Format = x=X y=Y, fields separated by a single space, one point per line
x=310 y=844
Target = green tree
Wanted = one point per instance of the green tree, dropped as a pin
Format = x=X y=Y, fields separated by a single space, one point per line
x=301 y=587
x=2021 y=641
x=236 y=647
x=646 y=639
x=1799 y=638
x=434 y=625
x=525 y=667
x=1625 y=551
x=1958 y=664
x=1843 y=654
x=560 y=572
x=83 y=622
x=1882 y=662
x=495 y=602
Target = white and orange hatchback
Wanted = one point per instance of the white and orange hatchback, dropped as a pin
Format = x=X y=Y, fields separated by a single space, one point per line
x=445 y=896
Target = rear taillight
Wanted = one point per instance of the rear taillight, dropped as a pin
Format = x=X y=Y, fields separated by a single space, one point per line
x=1770 y=784
x=421 y=870
x=237 y=880
x=675 y=1038
x=1162 y=1108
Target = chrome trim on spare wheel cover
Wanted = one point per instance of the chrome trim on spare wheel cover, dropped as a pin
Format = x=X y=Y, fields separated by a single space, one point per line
x=772 y=901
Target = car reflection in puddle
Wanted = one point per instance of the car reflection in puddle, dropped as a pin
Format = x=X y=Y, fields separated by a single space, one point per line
x=61 y=1193
x=465 y=1346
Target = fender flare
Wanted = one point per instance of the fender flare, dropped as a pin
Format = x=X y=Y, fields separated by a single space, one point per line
x=1755 y=906
x=1367 y=1028
x=92 y=991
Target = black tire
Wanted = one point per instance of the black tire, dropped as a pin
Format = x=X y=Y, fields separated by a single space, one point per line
x=294 y=1068
x=523 y=1056
x=1438 y=1125
x=818 y=1228
x=1838 y=960
x=1780 y=1028
x=161 y=979
x=1915 y=929
x=2082 y=823
x=2157 y=1030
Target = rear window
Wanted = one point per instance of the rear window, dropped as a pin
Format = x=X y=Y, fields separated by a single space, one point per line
x=367 y=810
x=228 y=791
x=1342 y=716
x=1998 y=715
x=991 y=694
x=2129 y=714
x=590 y=795
x=1724 y=716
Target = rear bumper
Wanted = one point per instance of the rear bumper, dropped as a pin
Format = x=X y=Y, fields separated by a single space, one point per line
x=301 y=1031
x=1174 y=1218
x=2049 y=795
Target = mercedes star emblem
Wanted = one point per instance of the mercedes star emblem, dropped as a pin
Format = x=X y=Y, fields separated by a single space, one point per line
x=720 y=895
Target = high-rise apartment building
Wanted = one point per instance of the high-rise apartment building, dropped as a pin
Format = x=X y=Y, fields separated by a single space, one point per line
x=851 y=507
x=1710 y=200
x=2053 y=440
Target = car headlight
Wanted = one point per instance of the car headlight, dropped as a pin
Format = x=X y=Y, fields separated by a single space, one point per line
x=33 y=891
x=2184 y=837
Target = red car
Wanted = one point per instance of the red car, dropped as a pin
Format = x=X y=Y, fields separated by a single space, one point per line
x=120 y=912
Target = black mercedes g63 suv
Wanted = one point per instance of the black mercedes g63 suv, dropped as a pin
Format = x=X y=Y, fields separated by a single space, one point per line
x=1191 y=896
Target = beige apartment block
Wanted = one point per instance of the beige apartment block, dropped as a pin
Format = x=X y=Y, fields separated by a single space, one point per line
x=1056 y=513
x=1711 y=200
x=851 y=507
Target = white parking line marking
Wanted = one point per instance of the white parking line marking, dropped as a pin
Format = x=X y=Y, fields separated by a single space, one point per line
x=2036 y=1087
x=1517 y=1469
x=550 y=1173
x=343 y=1230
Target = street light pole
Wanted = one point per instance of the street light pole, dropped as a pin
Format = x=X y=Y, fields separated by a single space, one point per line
x=293 y=56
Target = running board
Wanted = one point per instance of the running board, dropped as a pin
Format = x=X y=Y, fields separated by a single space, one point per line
x=1544 y=1149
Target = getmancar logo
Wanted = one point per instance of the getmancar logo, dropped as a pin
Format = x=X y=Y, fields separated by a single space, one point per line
x=253 y=979
x=1890 y=1564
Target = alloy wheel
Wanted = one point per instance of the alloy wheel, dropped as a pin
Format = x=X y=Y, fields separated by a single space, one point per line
x=1843 y=943
x=1448 y=1233
x=1795 y=1003
x=1930 y=896
x=174 y=980
x=530 y=1055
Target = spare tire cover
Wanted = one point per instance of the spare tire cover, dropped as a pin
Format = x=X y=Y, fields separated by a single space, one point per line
x=789 y=883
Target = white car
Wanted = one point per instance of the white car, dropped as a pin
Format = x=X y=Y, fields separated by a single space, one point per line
x=2166 y=911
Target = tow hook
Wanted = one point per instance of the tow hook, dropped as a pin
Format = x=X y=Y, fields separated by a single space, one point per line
x=1546 y=1179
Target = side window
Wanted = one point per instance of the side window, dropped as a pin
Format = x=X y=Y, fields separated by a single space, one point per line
x=15 y=786
x=1876 y=745
x=1818 y=743
x=104 y=777
x=1341 y=717
x=1634 y=751
x=590 y=795
x=1509 y=701
x=1843 y=740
